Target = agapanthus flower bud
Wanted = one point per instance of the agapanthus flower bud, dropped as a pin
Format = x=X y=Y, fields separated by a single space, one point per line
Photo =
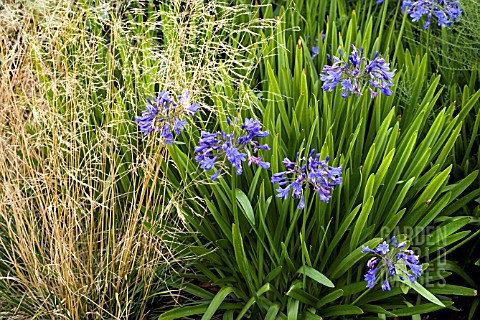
x=314 y=52
x=386 y=286
x=371 y=277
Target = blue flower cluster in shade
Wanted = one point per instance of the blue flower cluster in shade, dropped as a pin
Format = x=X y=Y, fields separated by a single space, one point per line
x=389 y=260
x=353 y=73
x=447 y=12
x=236 y=146
x=315 y=48
x=163 y=115
x=304 y=173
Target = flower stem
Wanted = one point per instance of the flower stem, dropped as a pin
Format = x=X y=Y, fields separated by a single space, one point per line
x=234 y=197
x=360 y=296
x=368 y=290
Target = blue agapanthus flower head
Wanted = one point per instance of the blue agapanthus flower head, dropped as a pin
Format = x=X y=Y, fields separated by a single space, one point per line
x=447 y=12
x=357 y=70
x=164 y=114
x=307 y=173
x=391 y=259
x=236 y=146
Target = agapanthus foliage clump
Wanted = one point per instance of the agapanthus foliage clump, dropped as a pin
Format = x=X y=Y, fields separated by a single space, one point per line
x=357 y=70
x=307 y=173
x=447 y=12
x=166 y=115
x=235 y=146
x=391 y=259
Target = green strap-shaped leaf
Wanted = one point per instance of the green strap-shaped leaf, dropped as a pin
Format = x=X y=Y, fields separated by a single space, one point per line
x=362 y=219
x=272 y=312
x=184 y=312
x=310 y=316
x=382 y=170
x=222 y=224
x=420 y=309
x=339 y=234
x=341 y=310
x=450 y=289
x=197 y=291
x=453 y=266
x=202 y=252
x=292 y=309
x=275 y=96
x=421 y=290
x=346 y=263
x=246 y=206
x=377 y=309
x=354 y=288
x=431 y=215
x=375 y=295
x=448 y=228
x=252 y=300
x=432 y=188
x=296 y=292
x=332 y=296
x=316 y=276
x=241 y=258
x=273 y=274
x=216 y=302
